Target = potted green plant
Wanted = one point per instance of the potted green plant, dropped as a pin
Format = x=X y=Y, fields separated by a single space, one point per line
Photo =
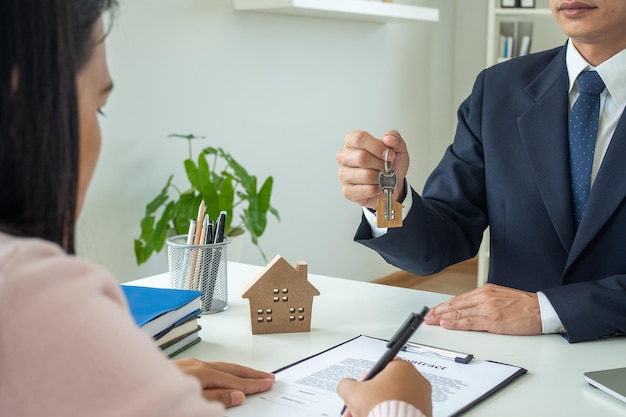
x=218 y=179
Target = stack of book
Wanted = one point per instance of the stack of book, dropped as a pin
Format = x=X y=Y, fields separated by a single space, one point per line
x=169 y=316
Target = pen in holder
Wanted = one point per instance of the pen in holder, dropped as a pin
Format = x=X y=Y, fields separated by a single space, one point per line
x=202 y=268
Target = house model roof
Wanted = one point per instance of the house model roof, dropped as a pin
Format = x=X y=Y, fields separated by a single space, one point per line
x=281 y=298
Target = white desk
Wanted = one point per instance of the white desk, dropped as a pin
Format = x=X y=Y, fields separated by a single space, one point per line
x=554 y=385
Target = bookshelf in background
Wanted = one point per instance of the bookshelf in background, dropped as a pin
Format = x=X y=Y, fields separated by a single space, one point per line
x=525 y=17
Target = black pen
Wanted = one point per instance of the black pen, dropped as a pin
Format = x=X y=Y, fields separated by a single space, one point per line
x=209 y=234
x=214 y=260
x=219 y=228
x=395 y=344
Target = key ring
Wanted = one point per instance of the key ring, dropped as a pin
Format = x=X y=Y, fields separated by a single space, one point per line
x=388 y=163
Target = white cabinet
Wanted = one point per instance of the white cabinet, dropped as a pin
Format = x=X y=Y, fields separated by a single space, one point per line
x=342 y=9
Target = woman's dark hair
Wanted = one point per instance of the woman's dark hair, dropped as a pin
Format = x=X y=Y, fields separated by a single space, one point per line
x=43 y=45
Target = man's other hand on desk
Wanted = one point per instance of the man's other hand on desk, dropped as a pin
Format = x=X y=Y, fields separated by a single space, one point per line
x=227 y=383
x=490 y=308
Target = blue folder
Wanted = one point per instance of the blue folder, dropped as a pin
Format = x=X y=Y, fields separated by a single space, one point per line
x=158 y=309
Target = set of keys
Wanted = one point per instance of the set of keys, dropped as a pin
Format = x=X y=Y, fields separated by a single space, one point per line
x=388 y=211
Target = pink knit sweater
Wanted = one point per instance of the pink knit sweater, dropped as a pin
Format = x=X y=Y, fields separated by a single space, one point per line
x=69 y=347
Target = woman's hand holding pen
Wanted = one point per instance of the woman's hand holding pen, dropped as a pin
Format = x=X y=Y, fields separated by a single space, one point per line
x=398 y=381
x=226 y=382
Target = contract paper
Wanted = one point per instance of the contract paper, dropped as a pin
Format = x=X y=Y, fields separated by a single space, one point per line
x=308 y=387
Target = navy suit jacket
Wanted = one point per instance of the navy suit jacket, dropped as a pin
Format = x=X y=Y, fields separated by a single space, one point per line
x=508 y=168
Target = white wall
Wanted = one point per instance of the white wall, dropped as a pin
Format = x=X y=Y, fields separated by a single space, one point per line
x=470 y=46
x=279 y=93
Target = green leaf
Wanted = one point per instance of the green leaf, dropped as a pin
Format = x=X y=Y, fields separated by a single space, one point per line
x=162 y=226
x=251 y=188
x=188 y=137
x=275 y=213
x=204 y=174
x=264 y=195
x=256 y=221
x=141 y=255
x=239 y=172
x=253 y=237
x=210 y=151
x=192 y=172
x=147 y=228
x=160 y=199
x=206 y=187
x=186 y=209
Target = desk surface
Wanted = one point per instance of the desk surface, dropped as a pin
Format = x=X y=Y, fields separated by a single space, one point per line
x=554 y=385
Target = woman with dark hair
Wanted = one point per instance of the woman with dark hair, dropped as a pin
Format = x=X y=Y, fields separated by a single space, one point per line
x=68 y=345
x=38 y=121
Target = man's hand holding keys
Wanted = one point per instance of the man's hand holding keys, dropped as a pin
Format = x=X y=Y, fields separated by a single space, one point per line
x=363 y=158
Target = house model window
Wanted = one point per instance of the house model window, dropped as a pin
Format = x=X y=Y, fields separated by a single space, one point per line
x=281 y=298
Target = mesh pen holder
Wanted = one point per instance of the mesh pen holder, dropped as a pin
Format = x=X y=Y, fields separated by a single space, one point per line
x=202 y=268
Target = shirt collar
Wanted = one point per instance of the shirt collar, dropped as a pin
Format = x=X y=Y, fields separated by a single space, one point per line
x=612 y=71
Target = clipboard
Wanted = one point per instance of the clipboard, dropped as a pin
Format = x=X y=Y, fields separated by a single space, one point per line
x=308 y=386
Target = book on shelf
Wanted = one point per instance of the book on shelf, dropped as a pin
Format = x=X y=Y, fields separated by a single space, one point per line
x=158 y=310
x=524 y=46
x=508 y=3
x=515 y=39
x=523 y=33
x=506 y=47
x=527 y=3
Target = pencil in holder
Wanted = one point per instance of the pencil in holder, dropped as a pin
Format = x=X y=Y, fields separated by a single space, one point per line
x=202 y=268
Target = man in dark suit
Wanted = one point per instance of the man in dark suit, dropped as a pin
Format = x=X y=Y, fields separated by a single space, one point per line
x=509 y=168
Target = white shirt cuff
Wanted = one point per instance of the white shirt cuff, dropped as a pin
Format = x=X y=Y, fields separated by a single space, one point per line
x=395 y=408
x=550 y=321
x=407 y=203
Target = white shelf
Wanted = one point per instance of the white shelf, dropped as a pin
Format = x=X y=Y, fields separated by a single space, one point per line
x=342 y=9
x=522 y=11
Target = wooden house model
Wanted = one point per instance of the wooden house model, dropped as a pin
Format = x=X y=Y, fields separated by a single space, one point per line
x=281 y=298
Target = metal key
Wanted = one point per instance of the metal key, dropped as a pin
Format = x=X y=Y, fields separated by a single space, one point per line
x=388 y=211
x=388 y=181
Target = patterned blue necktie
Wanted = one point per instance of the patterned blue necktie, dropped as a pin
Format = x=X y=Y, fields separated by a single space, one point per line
x=583 y=128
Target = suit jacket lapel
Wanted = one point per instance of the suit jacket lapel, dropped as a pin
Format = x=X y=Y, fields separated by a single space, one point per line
x=543 y=130
x=607 y=192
